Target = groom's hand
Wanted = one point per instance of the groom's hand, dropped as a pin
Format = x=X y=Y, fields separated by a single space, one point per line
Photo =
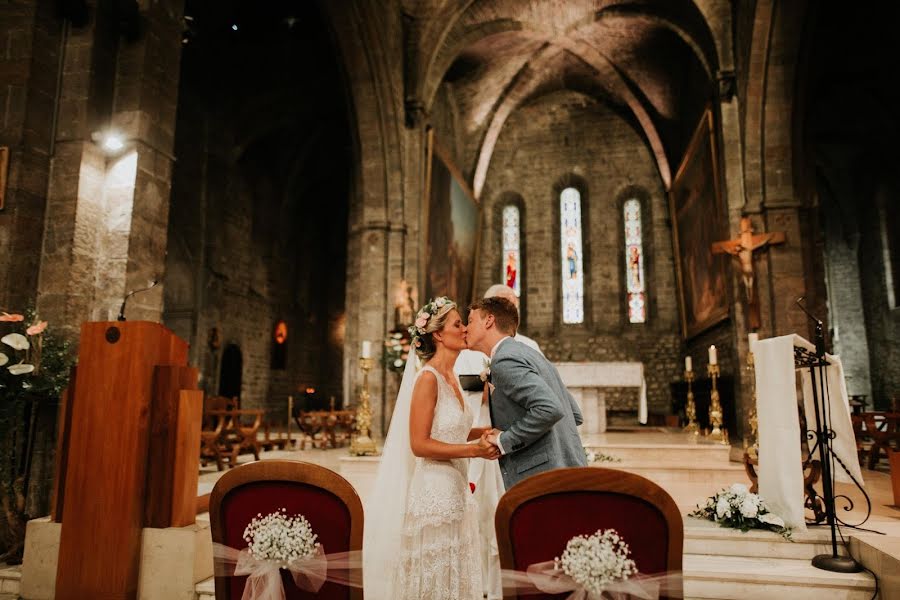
x=493 y=436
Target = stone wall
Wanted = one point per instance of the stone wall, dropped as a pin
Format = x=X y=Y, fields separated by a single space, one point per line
x=565 y=138
x=258 y=228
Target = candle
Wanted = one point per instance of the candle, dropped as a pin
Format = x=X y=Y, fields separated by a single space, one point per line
x=713 y=357
x=753 y=337
x=366 y=349
x=688 y=365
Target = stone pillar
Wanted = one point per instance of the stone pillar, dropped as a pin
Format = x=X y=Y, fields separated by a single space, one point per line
x=29 y=60
x=108 y=214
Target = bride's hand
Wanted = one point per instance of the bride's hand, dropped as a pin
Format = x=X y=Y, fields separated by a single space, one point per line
x=485 y=449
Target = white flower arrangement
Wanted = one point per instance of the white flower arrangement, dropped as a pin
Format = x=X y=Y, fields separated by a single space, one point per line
x=595 y=456
x=596 y=561
x=279 y=538
x=736 y=507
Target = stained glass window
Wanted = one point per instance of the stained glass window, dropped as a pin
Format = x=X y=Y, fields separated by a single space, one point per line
x=636 y=291
x=572 y=266
x=512 y=265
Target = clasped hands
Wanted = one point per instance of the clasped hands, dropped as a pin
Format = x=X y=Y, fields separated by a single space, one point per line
x=488 y=446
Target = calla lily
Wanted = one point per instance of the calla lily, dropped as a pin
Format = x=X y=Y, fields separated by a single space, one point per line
x=11 y=318
x=37 y=328
x=16 y=341
x=20 y=369
x=3 y=359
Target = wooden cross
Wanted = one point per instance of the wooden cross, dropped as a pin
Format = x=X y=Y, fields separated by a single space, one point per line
x=742 y=249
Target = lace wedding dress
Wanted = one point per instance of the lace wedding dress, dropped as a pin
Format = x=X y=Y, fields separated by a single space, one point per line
x=439 y=552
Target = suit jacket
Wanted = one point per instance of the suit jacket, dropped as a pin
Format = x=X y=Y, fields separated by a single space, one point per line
x=535 y=411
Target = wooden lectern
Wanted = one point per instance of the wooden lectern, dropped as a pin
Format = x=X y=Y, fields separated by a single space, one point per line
x=128 y=454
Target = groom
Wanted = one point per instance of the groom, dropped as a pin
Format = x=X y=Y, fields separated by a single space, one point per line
x=534 y=416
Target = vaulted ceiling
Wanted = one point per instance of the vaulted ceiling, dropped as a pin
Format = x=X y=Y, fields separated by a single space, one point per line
x=652 y=60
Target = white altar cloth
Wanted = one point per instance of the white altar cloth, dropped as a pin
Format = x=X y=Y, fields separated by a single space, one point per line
x=585 y=381
x=780 y=473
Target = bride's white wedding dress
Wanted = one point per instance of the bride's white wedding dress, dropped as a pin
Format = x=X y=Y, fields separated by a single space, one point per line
x=421 y=537
x=440 y=551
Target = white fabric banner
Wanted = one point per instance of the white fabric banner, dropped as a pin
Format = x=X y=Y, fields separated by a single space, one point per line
x=780 y=472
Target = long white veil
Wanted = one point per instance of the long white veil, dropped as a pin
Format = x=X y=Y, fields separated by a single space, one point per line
x=386 y=507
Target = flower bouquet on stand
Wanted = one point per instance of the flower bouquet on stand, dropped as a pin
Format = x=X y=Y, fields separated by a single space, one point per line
x=737 y=508
x=34 y=368
x=396 y=350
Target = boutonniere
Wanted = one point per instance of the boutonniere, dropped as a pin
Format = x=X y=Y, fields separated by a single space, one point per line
x=485 y=374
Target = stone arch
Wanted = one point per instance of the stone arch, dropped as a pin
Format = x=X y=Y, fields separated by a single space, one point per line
x=382 y=213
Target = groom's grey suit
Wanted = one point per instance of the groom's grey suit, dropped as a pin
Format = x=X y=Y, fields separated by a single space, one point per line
x=536 y=413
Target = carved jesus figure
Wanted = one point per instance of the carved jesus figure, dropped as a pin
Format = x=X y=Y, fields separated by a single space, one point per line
x=742 y=249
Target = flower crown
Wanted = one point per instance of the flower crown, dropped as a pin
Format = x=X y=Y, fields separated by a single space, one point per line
x=433 y=308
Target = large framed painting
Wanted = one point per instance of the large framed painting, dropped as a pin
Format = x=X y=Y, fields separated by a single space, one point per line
x=451 y=234
x=699 y=219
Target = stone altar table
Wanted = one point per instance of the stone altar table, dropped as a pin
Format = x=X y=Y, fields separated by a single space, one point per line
x=586 y=381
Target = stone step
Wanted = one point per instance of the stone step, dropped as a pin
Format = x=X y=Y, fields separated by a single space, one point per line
x=707 y=538
x=755 y=578
x=9 y=580
x=662 y=474
x=205 y=590
x=674 y=455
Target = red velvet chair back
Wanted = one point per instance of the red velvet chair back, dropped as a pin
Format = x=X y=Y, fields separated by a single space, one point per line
x=538 y=516
x=326 y=499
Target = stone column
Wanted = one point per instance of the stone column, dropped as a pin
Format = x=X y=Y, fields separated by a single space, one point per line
x=108 y=214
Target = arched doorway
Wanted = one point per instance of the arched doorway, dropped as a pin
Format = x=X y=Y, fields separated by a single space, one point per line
x=231 y=372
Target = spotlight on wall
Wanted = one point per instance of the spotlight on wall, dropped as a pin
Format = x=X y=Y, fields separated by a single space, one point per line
x=110 y=141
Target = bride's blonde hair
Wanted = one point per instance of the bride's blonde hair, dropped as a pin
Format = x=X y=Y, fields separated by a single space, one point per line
x=431 y=318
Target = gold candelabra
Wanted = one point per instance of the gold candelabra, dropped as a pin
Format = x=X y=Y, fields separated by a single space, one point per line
x=362 y=444
x=715 y=408
x=290 y=442
x=690 y=407
x=752 y=444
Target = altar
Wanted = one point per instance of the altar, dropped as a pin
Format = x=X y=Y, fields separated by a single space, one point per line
x=586 y=380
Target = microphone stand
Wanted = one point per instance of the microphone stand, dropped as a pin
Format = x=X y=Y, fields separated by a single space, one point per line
x=824 y=434
x=121 y=316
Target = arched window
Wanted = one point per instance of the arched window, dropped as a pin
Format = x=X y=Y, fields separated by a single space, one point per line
x=570 y=245
x=635 y=286
x=511 y=267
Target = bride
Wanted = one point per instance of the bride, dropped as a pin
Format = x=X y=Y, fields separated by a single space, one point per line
x=421 y=533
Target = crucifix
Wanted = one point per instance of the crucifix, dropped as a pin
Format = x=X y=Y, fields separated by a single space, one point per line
x=742 y=249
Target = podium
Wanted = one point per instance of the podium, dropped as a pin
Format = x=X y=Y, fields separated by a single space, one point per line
x=128 y=454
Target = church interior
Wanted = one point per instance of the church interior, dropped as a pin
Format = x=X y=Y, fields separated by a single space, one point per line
x=239 y=208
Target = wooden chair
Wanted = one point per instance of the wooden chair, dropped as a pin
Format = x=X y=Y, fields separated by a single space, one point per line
x=326 y=499
x=538 y=516
x=884 y=431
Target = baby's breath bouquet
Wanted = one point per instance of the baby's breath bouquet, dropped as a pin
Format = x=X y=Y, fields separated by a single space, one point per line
x=280 y=538
x=596 y=561
x=274 y=541
x=737 y=508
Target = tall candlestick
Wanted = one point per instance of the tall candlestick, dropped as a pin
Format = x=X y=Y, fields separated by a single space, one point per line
x=688 y=364
x=713 y=356
x=366 y=349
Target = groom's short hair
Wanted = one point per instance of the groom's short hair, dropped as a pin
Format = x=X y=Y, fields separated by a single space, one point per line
x=506 y=315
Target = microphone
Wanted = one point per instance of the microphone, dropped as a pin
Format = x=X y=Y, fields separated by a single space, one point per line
x=121 y=316
x=820 y=328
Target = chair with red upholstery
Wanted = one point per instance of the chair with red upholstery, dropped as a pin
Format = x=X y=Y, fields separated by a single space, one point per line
x=538 y=516
x=326 y=499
